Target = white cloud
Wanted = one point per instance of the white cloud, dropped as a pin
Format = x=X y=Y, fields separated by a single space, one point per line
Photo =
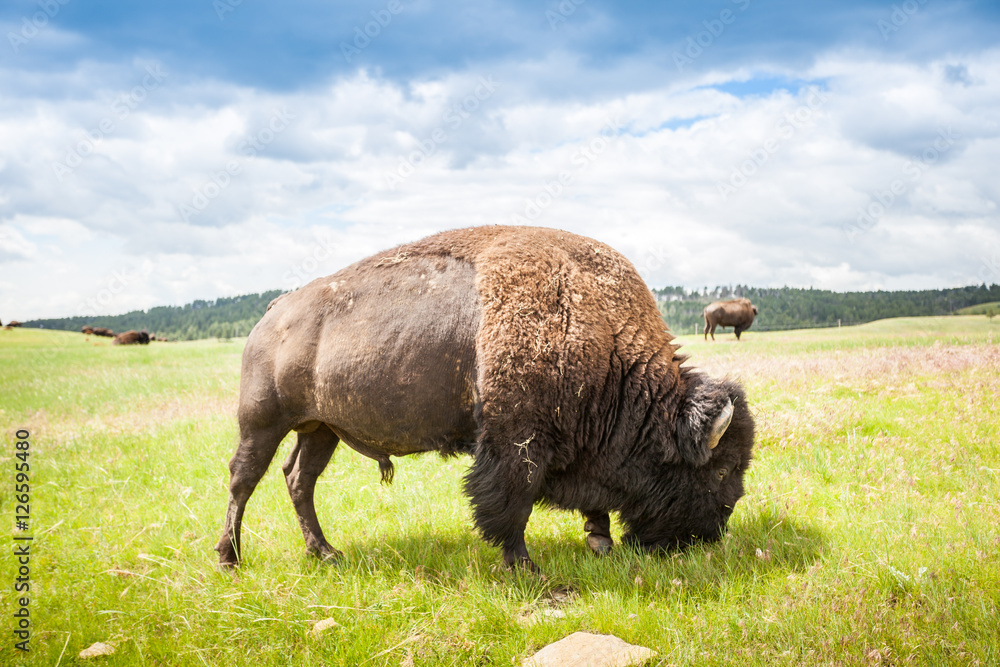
x=697 y=186
x=14 y=246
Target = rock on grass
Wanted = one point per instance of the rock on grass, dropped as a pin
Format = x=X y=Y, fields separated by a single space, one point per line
x=582 y=649
x=96 y=650
x=322 y=626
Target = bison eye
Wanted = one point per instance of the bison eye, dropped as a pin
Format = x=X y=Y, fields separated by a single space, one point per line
x=722 y=473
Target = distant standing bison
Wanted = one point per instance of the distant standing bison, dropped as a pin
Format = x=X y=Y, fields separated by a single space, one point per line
x=736 y=313
x=131 y=338
x=539 y=352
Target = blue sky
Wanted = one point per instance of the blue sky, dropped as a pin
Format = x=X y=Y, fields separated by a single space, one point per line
x=159 y=152
x=298 y=45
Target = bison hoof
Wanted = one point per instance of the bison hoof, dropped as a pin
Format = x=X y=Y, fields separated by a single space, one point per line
x=599 y=544
x=228 y=558
x=228 y=561
x=329 y=555
x=523 y=564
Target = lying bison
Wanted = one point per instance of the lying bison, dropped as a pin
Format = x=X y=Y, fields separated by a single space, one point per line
x=87 y=329
x=131 y=338
x=102 y=331
x=538 y=352
x=736 y=313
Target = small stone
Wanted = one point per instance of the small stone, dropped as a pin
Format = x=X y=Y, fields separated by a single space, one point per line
x=96 y=650
x=323 y=625
x=582 y=649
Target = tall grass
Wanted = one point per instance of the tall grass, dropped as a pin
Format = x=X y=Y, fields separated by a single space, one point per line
x=869 y=533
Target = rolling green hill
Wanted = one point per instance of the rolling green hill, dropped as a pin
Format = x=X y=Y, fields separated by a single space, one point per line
x=222 y=318
x=981 y=309
x=780 y=309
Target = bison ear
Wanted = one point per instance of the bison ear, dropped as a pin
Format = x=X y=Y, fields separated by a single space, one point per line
x=705 y=413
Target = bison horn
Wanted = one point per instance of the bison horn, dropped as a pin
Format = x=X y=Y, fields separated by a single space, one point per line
x=721 y=424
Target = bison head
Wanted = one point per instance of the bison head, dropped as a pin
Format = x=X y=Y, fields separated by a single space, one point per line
x=696 y=474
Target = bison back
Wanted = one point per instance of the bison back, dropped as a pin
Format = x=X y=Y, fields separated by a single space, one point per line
x=383 y=353
x=738 y=312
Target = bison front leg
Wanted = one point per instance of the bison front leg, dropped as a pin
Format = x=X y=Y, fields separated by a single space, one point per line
x=598 y=527
x=502 y=485
x=302 y=468
x=249 y=463
x=515 y=550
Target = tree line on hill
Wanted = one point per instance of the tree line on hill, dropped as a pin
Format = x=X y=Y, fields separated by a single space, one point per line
x=779 y=309
x=225 y=317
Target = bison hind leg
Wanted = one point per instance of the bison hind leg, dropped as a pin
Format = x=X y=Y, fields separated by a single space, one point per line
x=249 y=463
x=302 y=468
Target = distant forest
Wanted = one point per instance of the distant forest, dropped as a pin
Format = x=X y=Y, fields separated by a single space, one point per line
x=780 y=308
x=794 y=308
x=226 y=317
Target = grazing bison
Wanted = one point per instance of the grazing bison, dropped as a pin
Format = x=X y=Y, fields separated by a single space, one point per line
x=13 y=323
x=102 y=331
x=736 y=313
x=87 y=329
x=539 y=352
x=131 y=338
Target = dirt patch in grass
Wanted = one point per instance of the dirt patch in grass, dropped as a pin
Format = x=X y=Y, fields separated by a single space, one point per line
x=882 y=365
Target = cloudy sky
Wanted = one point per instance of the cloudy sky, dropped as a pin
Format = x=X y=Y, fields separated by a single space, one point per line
x=157 y=152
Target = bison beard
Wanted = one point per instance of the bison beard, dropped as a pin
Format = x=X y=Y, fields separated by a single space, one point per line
x=538 y=352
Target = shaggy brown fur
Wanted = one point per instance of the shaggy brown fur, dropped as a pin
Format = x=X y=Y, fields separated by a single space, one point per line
x=736 y=313
x=131 y=338
x=102 y=331
x=87 y=330
x=539 y=352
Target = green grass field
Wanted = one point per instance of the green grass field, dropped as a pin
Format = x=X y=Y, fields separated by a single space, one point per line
x=869 y=534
